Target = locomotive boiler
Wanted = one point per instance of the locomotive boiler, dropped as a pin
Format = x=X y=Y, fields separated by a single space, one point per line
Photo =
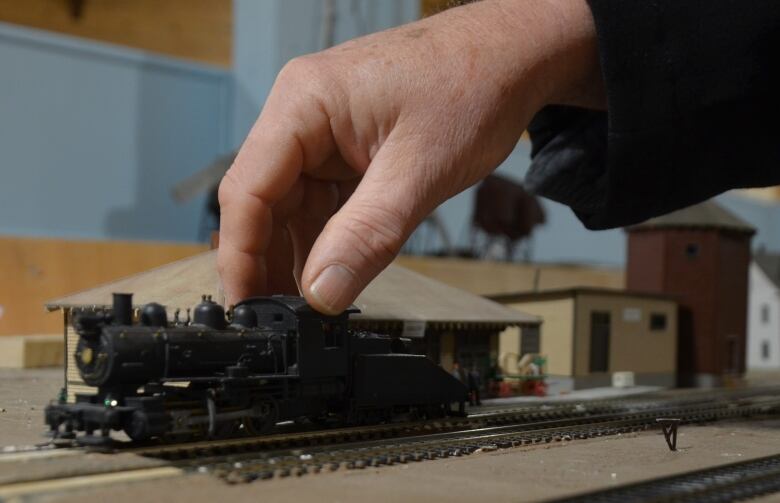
x=271 y=359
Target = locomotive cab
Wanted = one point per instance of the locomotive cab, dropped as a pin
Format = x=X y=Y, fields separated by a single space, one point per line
x=317 y=345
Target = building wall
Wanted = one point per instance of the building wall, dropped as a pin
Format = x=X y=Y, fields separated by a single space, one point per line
x=695 y=281
x=645 y=258
x=712 y=288
x=734 y=260
x=486 y=277
x=561 y=239
x=33 y=271
x=92 y=137
x=556 y=333
x=632 y=345
x=763 y=215
x=509 y=349
x=763 y=321
x=199 y=30
x=268 y=33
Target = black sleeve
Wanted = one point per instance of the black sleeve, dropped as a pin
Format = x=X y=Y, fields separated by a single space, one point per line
x=693 y=103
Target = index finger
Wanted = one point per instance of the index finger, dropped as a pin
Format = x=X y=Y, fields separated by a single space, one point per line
x=247 y=194
x=287 y=136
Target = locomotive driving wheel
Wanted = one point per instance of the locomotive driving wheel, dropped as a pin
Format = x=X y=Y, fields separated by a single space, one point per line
x=264 y=420
x=137 y=426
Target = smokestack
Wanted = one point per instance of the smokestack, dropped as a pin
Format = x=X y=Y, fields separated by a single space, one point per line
x=123 y=308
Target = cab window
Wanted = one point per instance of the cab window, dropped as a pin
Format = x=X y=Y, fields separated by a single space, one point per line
x=333 y=334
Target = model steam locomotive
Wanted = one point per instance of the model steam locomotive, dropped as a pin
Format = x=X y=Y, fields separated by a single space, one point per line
x=271 y=359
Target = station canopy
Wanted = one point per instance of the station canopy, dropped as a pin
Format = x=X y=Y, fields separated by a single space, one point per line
x=398 y=298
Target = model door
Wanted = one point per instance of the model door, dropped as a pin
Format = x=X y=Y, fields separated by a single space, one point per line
x=599 y=341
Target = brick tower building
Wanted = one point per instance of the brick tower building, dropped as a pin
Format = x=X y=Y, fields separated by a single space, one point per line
x=701 y=256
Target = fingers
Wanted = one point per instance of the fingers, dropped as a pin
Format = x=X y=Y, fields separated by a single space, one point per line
x=367 y=233
x=245 y=233
x=279 y=262
x=291 y=134
x=320 y=201
x=264 y=173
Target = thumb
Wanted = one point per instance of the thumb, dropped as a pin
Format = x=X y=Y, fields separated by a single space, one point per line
x=366 y=234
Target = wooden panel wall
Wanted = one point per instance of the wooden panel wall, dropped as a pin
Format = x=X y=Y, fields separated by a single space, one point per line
x=199 y=30
x=483 y=277
x=33 y=271
x=431 y=7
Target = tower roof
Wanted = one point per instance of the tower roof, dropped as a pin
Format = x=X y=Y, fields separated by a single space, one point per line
x=706 y=215
x=770 y=264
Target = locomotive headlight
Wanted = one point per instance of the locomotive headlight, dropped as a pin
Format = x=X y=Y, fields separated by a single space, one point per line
x=86 y=356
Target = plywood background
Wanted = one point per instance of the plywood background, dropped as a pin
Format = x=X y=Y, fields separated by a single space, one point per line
x=33 y=271
x=199 y=30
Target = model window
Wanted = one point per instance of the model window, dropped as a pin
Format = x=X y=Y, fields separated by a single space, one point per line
x=657 y=321
x=332 y=334
x=764 y=314
x=692 y=250
x=529 y=341
x=765 y=350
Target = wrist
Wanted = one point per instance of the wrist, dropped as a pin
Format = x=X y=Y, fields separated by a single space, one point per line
x=557 y=39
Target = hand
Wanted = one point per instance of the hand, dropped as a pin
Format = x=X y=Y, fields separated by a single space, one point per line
x=357 y=144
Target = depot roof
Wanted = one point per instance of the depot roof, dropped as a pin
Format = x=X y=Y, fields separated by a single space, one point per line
x=397 y=296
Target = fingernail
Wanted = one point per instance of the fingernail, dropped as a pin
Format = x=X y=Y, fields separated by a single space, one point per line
x=333 y=288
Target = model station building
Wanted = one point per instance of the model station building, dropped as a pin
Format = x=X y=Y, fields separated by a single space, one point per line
x=443 y=322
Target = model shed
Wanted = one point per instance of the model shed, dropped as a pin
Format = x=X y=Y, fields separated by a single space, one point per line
x=590 y=333
x=444 y=322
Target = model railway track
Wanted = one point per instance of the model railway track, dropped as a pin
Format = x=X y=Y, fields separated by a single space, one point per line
x=575 y=413
x=303 y=437
x=240 y=461
x=382 y=431
x=733 y=482
x=247 y=467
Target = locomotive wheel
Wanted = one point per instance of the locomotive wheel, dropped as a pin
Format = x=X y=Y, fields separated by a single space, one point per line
x=264 y=423
x=228 y=429
x=434 y=411
x=328 y=421
x=137 y=427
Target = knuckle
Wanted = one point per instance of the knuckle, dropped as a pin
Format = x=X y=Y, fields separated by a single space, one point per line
x=311 y=83
x=302 y=71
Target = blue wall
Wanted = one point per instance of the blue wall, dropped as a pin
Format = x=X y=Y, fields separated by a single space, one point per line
x=561 y=239
x=268 y=33
x=763 y=215
x=92 y=136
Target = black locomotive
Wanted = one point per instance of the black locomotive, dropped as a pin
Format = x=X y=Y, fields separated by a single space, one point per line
x=272 y=359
